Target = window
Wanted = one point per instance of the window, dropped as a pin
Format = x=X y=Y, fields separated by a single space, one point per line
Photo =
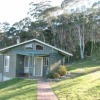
x=6 y=63
x=29 y=46
x=38 y=47
x=46 y=61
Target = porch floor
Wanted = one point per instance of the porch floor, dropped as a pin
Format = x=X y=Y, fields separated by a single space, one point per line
x=44 y=91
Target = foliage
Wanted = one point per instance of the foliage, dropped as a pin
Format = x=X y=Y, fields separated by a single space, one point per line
x=62 y=70
x=76 y=31
x=37 y=8
x=50 y=75
x=58 y=72
x=56 y=75
x=18 y=89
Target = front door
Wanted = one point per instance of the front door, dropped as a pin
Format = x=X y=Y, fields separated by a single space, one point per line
x=38 y=66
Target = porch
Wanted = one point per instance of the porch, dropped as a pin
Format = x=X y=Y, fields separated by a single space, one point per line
x=32 y=64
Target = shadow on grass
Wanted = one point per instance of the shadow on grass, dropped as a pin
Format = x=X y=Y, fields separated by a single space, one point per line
x=20 y=94
x=18 y=85
x=60 y=87
x=10 y=83
x=20 y=89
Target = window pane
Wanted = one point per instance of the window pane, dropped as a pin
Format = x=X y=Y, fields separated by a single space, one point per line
x=6 y=63
x=46 y=60
x=38 y=47
x=29 y=46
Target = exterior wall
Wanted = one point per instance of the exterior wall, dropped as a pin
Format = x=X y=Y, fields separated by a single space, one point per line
x=22 y=47
x=56 y=60
x=19 y=67
x=17 y=61
x=45 y=48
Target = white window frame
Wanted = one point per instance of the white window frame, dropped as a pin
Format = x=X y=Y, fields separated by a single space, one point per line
x=6 y=63
x=46 y=61
x=29 y=46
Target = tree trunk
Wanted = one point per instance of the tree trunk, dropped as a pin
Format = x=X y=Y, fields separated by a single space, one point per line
x=81 y=41
x=92 y=43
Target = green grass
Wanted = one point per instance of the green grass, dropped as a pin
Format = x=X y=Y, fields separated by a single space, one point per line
x=83 y=87
x=87 y=66
x=18 y=89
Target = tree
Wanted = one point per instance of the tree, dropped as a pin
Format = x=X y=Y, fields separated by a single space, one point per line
x=5 y=26
x=36 y=8
x=49 y=16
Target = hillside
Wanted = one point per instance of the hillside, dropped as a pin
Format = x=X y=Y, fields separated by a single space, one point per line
x=85 y=86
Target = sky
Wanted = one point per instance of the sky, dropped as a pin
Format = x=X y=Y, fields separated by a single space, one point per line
x=12 y=11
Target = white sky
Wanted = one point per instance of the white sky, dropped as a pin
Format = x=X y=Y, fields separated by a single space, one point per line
x=12 y=11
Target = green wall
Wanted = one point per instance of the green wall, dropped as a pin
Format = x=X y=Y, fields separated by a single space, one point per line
x=17 y=61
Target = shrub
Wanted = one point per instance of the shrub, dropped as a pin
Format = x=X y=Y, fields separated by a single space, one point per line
x=56 y=75
x=62 y=70
x=50 y=75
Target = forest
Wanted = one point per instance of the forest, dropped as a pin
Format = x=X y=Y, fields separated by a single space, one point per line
x=73 y=27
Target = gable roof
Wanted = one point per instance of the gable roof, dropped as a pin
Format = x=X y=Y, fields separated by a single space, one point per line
x=62 y=51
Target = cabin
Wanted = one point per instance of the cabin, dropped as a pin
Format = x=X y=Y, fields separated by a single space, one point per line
x=32 y=58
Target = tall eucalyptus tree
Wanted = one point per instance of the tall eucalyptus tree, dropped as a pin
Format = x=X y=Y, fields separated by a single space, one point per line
x=49 y=15
x=79 y=19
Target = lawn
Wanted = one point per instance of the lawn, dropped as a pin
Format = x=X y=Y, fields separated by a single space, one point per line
x=86 y=86
x=18 y=89
x=87 y=65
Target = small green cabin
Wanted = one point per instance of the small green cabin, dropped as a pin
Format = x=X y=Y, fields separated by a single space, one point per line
x=32 y=58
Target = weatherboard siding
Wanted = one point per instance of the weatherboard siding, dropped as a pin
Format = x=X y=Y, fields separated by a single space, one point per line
x=17 y=60
x=22 y=47
x=56 y=60
x=20 y=58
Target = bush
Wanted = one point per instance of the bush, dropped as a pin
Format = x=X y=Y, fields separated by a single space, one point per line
x=56 y=75
x=50 y=75
x=62 y=70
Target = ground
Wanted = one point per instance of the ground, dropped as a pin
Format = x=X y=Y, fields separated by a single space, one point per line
x=18 y=89
x=82 y=83
x=84 y=86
